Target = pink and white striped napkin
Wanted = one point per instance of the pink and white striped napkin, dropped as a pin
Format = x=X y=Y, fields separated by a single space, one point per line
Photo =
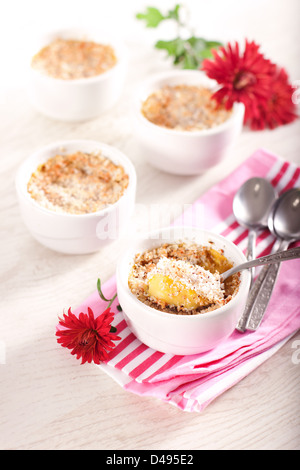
x=192 y=382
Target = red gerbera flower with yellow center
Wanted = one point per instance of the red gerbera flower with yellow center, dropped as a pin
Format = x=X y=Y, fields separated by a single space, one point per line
x=89 y=338
x=253 y=80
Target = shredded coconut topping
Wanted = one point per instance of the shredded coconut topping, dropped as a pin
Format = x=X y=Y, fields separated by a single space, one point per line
x=194 y=277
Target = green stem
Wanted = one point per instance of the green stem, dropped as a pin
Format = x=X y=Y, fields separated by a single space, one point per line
x=111 y=300
x=102 y=296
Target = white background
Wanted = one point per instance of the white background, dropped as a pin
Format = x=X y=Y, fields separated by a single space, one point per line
x=260 y=20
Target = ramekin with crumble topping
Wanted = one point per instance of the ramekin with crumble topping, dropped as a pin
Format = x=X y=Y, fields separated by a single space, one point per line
x=76 y=75
x=76 y=196
x=170 y=288
x=179 y=127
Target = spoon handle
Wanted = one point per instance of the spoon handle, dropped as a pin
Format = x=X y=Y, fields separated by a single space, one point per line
x=265 y=289
x=254 y=292
x=251 y=250
x=269 y=259
x=260 y=305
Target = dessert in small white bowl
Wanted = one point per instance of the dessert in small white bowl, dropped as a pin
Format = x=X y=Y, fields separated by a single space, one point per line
x=75 y=75
x=76 y=196
x=177 y=125
x=171 y=325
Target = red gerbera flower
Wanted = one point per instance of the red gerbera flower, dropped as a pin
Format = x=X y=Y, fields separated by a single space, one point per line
x=250 y=78
x=279 y=108
x=88 y=337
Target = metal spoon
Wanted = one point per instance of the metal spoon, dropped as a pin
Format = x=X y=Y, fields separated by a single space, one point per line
x=251 y=207
x=262 y=289
x=264 y=260
x=284 y=223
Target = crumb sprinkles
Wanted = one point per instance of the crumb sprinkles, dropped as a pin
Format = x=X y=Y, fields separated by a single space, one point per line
x=182 y=278
x=70 y=59
x=184 y=107
x=77 y=183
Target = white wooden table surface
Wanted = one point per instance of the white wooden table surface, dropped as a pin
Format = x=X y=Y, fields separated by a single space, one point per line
x=48 y=400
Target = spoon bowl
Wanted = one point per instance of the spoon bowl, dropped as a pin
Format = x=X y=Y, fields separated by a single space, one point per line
x=251 y=207
x=252 y=203
x=284 y=219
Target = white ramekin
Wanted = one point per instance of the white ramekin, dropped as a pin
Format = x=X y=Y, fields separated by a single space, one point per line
x=72 y=233
x=183 y=152
x=180 y=334
x=80 y=99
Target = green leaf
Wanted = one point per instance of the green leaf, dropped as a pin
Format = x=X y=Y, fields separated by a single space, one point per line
x=200 y=49
x=174 y=14
x=213 y=44
x=175 y=47
x=206 y=54
x=113 y=329
x=188 y=53
x=152 y=17
x=196 y=43
x=190 y=62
